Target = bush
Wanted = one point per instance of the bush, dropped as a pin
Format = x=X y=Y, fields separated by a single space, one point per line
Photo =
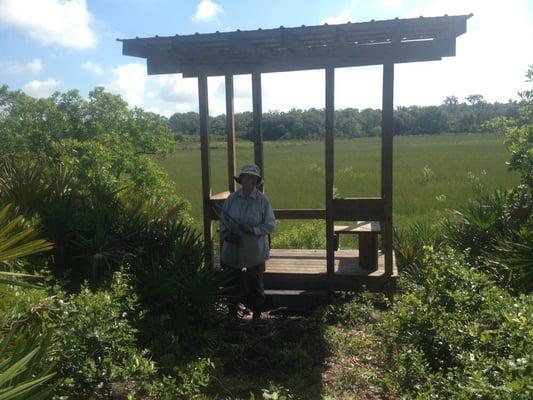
x=95 y=226
x=353 y=310
x=178 y=290
x=82 y=167
x=409 y=247
x=511 y=260
x=95 y=342
x=496 y=231
x=78 y=346
x=459 y=336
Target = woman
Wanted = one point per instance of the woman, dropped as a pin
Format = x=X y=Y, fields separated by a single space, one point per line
x=247 y=219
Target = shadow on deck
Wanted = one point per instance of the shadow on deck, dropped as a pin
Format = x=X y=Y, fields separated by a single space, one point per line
x=303 y=269
x=306 y=269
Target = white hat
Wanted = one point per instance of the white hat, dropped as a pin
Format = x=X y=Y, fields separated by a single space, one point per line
x=250 y=169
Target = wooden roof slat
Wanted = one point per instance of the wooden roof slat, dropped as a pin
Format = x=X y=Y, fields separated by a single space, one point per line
x=408 y=26
x=245 y=51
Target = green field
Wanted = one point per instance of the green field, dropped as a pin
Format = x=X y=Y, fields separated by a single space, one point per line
x=431 y=173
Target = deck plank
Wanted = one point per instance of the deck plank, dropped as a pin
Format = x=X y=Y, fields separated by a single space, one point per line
x=296 y=261
x=304 y=269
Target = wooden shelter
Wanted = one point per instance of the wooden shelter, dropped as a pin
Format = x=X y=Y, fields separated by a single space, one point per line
x=325 y=47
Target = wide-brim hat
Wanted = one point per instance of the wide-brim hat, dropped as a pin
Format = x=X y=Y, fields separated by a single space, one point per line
x=250 y=169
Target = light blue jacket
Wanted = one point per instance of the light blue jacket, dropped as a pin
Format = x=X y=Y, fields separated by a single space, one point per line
x=254 y=210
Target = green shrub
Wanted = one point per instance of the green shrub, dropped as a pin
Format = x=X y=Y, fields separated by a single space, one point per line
x=510 y=260
x=475 y=225
x=178 y=290
x=458 y=335
x=496 y=230
x=351 y=310
x=409 y=247
x=96 y=226
x=191 y=380
x=95 y=342
x=80 y=166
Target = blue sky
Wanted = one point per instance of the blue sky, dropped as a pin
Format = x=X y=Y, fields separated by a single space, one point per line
x=49 y=45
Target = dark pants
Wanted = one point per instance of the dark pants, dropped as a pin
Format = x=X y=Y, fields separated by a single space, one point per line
x=245 y=286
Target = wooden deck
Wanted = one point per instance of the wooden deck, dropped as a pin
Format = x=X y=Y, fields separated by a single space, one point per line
x=299 y=261
x=302 y=269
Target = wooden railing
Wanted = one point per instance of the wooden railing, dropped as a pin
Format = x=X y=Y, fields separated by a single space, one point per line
x=364 y=208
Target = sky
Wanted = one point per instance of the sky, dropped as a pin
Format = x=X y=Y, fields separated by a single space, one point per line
x=49 y=45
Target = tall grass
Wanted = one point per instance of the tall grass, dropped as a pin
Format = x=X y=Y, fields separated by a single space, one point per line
x=294 y=172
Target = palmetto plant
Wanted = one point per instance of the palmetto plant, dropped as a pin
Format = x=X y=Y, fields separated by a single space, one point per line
x=21 y=350
x=409 y=246
x=511 y=259
x=177 y=288
x=16 y=242
x=21 y=375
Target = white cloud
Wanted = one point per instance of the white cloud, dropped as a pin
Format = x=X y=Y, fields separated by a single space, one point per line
x=173 y=93
x=93 y=68
x=40 y=89
x=488 y=61
x=175 y=89
x=207 y=11
x=10 y=67
x=164 y=94
x=129 y=80
x=344 y=16
x=62 y=22
x=491 y=56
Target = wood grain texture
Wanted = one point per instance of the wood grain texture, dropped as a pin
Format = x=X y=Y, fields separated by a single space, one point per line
x=387 y=161
x=203 y=107
x=230 y=132
x=330 y=165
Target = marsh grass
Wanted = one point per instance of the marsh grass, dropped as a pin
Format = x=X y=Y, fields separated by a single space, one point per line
x=294 y=172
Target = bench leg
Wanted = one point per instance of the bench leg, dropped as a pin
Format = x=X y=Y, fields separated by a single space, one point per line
x=368 y=250
x=336 y=242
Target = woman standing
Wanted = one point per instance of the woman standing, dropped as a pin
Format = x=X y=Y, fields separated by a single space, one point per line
x=247 y=219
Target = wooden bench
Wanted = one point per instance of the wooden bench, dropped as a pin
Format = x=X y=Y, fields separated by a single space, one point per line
x=368 y=241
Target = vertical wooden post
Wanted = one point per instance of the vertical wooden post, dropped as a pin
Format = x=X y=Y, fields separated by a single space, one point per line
x=203 y=108
x=387 y=113
x=330 y=107
x=257 y=117
x=230 y=132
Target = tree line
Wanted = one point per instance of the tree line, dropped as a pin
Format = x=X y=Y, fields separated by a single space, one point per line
x=451 y=116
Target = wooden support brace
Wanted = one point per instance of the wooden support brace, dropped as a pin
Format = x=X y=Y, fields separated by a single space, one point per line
x=206 y=167
x=230 y=132
x=386 y=162
x=257 y=122
x=330 y=108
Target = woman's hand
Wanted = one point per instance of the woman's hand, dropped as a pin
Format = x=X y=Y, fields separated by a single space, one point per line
x=246 y=228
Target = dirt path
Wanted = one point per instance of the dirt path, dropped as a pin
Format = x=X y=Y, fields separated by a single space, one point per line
x=301 y=356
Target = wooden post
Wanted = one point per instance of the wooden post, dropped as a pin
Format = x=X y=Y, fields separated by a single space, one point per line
x=230 y=132
x=203 y=108
x=330 y=108
x=387 y=113
x=257 y=117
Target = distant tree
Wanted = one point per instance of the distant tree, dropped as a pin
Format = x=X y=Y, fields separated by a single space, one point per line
x=475 y=99
x=99 y=139
x=184 y=123
x=451 y=101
